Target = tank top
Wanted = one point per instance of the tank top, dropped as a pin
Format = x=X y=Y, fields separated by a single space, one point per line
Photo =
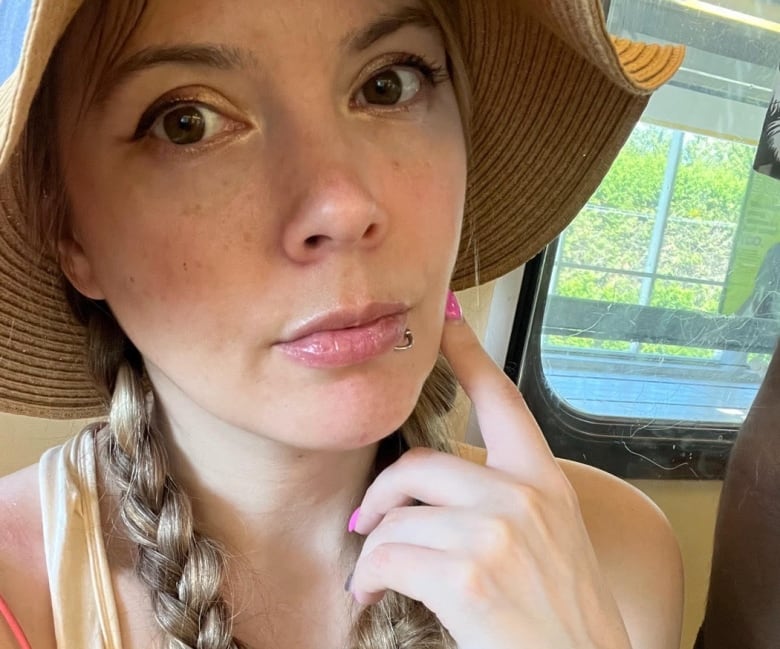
x=82 y=597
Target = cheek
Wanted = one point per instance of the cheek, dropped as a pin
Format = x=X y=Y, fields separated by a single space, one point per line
x=161 y=258
x=434 y=206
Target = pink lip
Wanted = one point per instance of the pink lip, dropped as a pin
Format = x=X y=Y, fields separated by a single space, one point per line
x=346 y=337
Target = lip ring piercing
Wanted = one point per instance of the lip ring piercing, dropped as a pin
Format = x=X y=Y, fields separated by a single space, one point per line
x=408 y=342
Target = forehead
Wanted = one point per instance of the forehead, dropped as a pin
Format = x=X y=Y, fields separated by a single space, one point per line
x=290 y=24
x=108 y=32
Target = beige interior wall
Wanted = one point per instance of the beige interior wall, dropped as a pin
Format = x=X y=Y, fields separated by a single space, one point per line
x=23 y=439
x=691 y=507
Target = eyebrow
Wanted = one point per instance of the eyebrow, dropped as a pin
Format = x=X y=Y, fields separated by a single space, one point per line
x=387 y=24
x=221 y=57
x=224 y=57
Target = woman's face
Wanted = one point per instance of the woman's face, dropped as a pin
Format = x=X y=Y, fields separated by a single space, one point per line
x=257 y=178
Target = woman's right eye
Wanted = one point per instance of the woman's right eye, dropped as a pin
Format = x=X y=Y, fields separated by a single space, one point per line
x=390 y=87
x=401 y=83
x=188 y=124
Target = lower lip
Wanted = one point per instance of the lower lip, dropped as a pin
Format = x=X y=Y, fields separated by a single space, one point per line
x=344 y=347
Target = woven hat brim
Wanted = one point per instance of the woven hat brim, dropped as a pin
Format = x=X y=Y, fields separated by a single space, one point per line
x=548 y=123
x=42 y=347
x=554 y=99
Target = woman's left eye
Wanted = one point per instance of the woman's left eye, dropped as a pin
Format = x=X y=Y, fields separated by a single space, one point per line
x=188 y=124
x=390 y=87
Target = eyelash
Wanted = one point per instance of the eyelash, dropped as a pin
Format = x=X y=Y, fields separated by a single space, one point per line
x=432 y=73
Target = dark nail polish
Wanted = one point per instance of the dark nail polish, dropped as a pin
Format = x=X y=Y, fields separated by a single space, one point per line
x=348 y=583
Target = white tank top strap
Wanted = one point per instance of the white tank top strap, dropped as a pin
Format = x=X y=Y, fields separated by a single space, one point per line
x=85 y=613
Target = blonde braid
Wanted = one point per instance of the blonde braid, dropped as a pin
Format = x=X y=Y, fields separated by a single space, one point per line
x=183 y=570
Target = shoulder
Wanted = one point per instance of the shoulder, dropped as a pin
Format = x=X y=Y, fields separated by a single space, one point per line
x=637 y=551
x=636 y=548
x=24 y=580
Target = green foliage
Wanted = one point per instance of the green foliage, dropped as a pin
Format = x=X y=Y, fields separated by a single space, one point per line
x=613 y=232
x=697 y=250
x=711 y=179
x=634 y=182
x=593 y=285
x=610 y=239
x=685 y=295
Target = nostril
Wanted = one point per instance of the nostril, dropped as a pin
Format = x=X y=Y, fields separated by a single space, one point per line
x=345 y=235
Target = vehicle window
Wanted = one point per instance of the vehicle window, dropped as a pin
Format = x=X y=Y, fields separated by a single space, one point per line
x=657 y=310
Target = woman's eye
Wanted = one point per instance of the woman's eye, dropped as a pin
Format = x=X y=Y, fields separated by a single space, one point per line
x=187 y=124
x=390 y=87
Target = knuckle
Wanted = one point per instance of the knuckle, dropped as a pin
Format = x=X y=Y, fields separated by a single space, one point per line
x=496 y=535
x=393 y=517
x=472 y=582
x=528 y=503
x=380 y=558
x=525 y=498
x=539 y=508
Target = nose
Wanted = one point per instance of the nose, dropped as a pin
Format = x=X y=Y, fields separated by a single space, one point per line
x=334 y=209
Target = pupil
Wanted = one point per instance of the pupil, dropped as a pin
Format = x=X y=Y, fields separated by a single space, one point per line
x=185 y=125
x=385 y=88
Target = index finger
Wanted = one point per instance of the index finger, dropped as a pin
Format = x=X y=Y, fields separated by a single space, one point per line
x=512 y=437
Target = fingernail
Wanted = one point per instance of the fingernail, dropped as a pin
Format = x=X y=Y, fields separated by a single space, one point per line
x=348 y=583
x=453 y=310
x=353 y=520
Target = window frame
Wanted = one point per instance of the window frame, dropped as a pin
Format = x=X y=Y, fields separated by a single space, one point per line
x=628 y=448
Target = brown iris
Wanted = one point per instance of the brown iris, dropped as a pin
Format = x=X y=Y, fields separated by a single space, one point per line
x=185 y=125
x=386 y=88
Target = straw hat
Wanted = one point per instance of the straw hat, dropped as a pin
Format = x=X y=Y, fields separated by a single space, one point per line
x=554 y=98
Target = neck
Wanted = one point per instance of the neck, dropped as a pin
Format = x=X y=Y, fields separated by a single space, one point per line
x=280 y=512
x=263 y=499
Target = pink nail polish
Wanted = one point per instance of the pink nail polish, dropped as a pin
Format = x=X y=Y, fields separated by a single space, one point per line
x=353 y=520
x=453 y=310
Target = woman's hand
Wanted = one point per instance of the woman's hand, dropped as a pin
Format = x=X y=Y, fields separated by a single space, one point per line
x=499 y=552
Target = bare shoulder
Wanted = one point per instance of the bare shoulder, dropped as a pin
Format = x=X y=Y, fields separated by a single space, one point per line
x=637 y=551
x=23 y=575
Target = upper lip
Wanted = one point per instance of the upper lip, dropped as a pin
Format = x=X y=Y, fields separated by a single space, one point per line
x=343 y=318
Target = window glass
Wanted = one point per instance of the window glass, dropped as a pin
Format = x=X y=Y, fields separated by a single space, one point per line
x=663 y=300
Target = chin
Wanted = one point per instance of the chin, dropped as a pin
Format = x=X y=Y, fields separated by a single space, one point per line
x=351 y=409
x=349 y=414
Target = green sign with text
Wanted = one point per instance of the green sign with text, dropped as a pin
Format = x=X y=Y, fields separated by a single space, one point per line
x=753 y=281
